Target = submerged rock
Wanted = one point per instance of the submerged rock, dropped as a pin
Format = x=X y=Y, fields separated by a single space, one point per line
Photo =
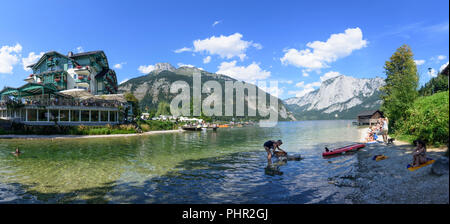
x=440 y=167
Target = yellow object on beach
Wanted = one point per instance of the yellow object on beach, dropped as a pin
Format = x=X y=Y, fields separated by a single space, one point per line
x=381 y=157
x=411 y=168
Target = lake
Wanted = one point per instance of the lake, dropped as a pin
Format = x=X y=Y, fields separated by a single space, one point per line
x=223 y=166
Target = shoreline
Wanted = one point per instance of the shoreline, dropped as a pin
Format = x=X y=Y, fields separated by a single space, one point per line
x=390 y=182
x=31 y=137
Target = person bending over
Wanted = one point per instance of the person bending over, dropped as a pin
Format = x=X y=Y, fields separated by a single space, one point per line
x=271 y=146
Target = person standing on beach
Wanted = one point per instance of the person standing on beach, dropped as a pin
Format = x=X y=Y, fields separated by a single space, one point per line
x=385 y=129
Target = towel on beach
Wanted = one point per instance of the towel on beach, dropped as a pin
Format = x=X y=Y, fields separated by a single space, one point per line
x=379 y=157
x=428 y=162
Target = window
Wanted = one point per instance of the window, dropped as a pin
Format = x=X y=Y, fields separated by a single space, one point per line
x=104 y=116
x=84 y=115
x=94 y=116
x=75 y=115
x=100 y=86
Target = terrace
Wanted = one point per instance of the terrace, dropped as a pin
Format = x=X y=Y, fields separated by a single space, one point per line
x=43 y=106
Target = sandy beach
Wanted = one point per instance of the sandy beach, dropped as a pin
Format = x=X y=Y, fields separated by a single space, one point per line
x=85 y=136
x=390 y=182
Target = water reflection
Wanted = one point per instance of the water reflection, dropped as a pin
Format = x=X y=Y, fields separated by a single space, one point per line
x=227 y=166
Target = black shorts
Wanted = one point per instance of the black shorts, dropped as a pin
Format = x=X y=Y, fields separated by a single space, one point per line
x=268 y=144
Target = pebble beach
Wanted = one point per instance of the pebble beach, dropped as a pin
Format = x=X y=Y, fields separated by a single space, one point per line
x=388 y=181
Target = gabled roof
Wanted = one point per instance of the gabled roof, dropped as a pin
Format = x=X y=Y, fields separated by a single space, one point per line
x=368 y=113
x=75 y=56
x=43 y=56
x=88 y=53
x=29 y=89
x=102 y=73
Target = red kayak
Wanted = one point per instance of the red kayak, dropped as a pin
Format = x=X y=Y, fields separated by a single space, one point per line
x=343 y=149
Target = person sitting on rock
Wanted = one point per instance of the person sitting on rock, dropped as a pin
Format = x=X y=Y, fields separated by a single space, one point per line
x=419 y=155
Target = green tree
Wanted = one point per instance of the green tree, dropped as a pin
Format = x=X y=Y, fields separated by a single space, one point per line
x=163 y=108
x=435 y=85
x=134 y=103
x=400 y=90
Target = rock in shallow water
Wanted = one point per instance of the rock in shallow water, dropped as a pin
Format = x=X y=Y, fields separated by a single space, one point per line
x=440 y=167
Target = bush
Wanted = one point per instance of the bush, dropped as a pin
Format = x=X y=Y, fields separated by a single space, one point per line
x=157 y=125
x=427 y=119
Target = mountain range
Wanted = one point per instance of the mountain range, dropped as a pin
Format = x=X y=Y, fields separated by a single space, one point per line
x=341 y=97
x=154 y=87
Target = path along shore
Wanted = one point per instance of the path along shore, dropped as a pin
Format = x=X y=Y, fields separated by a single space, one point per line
x=390 y=182
x=85 y=136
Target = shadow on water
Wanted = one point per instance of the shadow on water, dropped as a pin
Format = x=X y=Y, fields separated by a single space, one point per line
x=220 y=167
x=241 y=177
x=95 y=195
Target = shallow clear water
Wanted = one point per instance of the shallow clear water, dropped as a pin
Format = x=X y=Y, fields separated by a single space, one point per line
x=227 y=166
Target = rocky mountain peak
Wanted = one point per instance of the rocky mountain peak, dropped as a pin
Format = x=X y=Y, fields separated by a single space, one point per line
x=164 y=66
x=339 y=95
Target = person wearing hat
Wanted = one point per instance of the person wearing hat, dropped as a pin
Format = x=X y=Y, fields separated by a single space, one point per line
x=270 y=147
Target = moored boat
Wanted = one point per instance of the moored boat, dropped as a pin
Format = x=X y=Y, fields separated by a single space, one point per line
x=344 y=149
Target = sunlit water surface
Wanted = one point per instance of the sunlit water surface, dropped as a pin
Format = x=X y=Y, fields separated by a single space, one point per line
x=226 y=166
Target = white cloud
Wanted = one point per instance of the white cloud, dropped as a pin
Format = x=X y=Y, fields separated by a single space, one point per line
x=441 y=57
x=443 y=66
x=145 y=69
x=120 y=65
x=432 y=72
x=257 y=46
x=123 y=81
x=182 y=50
x=329 y=75
x=286 y=81
x=250 y=73
x=274 y=91
x=305 y=74
x=216 y=23
x=225 y=46
x=320 y=54
x=305 y=88
x=438 y=58
x=419 y=62
x=185 y=65
x=80 y=49
x=207 y=59
x=9 y=57
x=31 y=59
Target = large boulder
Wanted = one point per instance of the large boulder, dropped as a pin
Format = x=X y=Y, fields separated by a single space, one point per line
x=440 y=167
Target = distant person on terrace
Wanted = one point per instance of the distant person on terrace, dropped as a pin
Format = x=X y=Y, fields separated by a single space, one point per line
x=385 y=129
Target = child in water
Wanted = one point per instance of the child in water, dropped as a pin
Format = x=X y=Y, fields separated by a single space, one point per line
x=17 y=152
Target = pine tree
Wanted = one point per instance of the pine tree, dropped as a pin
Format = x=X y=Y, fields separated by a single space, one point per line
x=400 y=90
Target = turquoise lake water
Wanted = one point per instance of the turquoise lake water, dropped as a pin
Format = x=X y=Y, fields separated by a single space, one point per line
x=226 y=166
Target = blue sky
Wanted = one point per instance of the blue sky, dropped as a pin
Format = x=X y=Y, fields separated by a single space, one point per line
x=298 y=43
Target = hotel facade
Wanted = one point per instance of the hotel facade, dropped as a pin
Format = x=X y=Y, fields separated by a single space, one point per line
x=72 y=89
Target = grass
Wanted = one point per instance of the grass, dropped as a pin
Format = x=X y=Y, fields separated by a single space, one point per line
x=144 y=126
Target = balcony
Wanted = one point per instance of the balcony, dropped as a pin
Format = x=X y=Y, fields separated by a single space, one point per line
x=82 y=70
